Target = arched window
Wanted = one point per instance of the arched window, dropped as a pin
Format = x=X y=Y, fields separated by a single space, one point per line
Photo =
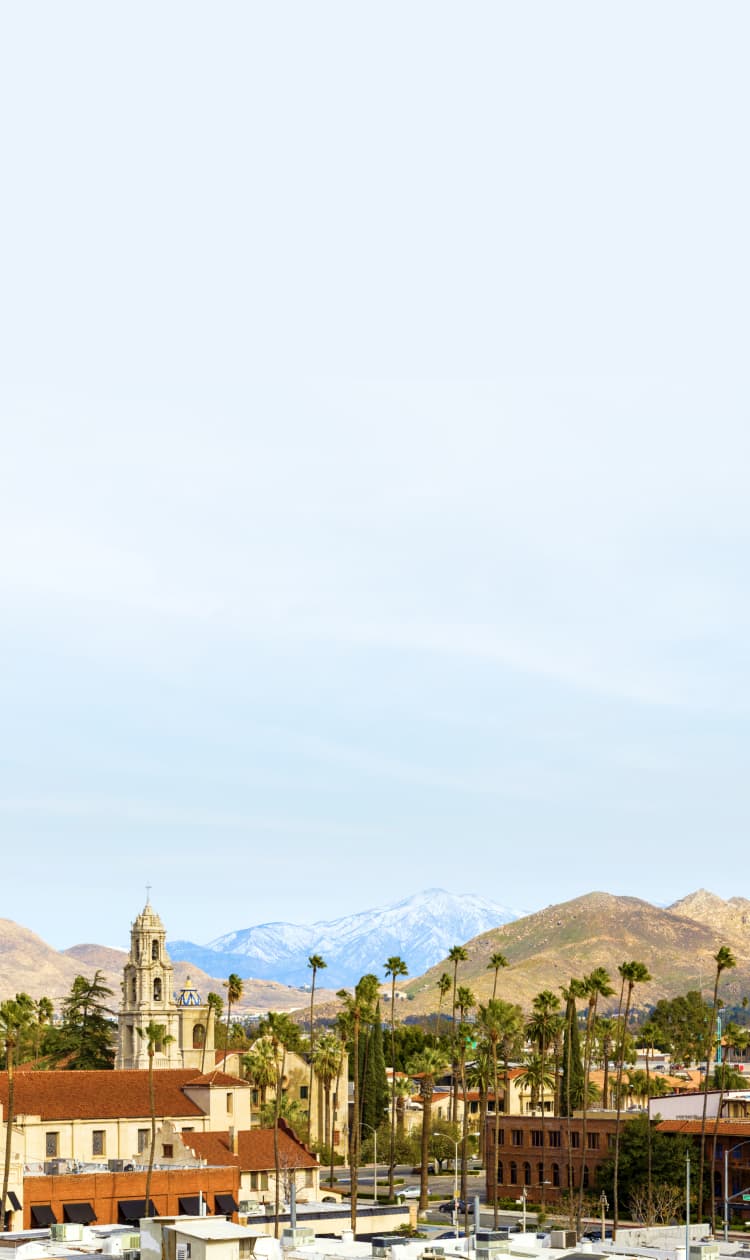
x=155 y=951
x=133 y=990
x=555 y=1174
x=513 y=1173
x=540 y=1174
x=199 y=1036
x=499 y=1172
x=157 y=989
x=527 y=1174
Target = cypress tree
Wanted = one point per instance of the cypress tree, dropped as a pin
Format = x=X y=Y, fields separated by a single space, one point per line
x=571 y=1085
x=374 y=1081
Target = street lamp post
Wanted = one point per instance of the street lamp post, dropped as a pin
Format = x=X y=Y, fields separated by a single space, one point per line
x=522 y=1201
x=374 y=1133
x=604 y=1204
x=687 y=1205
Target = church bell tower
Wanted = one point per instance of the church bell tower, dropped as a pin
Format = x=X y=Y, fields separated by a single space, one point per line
x=147 y=996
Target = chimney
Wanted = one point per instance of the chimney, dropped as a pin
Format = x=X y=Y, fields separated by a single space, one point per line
x=234 y=1144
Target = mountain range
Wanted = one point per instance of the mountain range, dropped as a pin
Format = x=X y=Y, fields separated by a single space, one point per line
x=677 y=943
x=421 y=929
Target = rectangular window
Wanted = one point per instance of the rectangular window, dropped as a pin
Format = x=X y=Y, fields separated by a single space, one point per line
x=98 y=1142
x=188 y=1128
x=611 y=1141
x=516 y=1137
x=592 y=1141
x=142 y=1140
x=230 y=1103
x=575 y=1139
x=309 y=1177
x=501 y=1137
x=554 y=1137
x=167 y=1150
x=303 y=1091
x=537 y=1137
x=51 y=1145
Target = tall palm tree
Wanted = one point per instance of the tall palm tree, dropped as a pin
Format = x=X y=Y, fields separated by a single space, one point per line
x=403 y=1089
x=500 y=1024
x=605 y=1032
x=214 y=1007
x=394 y=968
x=456 y=954
x=479 y=1076
x=497 y=960
x=260 y=1067
x=157 y=1038
x=426 y=1066
x=358 y=1010
x=316 y=964
x=443 y=984
x=234 y=986
x=281 y=1031
x=465 y=1000
x=725 y=961
x=328 y=1061
x=596 y=985
x=541 y=1030
x=10 y=1030
x=631 y=974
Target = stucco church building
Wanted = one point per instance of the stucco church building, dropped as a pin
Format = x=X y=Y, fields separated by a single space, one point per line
x=148 y=996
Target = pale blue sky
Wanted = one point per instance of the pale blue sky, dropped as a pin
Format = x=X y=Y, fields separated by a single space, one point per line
x=373 y=457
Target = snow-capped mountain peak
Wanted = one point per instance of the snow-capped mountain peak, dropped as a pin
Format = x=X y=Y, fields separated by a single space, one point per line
x=420 y=929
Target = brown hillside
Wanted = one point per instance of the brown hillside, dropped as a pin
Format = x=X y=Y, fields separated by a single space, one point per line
x=598 y=930
x=28 y=964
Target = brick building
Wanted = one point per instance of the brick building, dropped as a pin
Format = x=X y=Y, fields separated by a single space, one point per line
x=541 y=1157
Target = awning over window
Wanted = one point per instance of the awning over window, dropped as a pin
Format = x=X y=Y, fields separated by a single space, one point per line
x=130 y=1210
x=190 y=1205
x=79 y=1213
x=42 y=1216
x=14 y=1201
x=225 y=1204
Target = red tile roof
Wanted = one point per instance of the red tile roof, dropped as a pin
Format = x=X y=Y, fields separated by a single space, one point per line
x=105 y=1095
x=255 y=1149
x=694 y=1126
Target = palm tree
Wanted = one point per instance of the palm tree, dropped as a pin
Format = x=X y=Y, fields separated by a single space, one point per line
x=605 y=1032
x=394 y=967
x=316 y=964
x=456 y=955
x=260 y=1067
x=426 y=1066
x=541 y=1029
x=234 y=986
x=215 y=1005
x=358 y=1009
x=500 y=1023
x=631 y=974
x=328 y=1061
x=281 y=1030
x=497 y=961
x=10 y=1030
x=596 y=985
x=403 y=1089
x=465 y=1000
x=443 y=984
x=725 y=961
x=157 y=1038
x=479 y=1076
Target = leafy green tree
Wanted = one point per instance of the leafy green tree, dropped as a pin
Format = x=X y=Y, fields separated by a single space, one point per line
x=85 y=1039
x=668 y=1160
x=394 y=967
x=316 y=963
x=571 y=1083
x=681 y=1026
x=426 y=1067
x=157 y=1038
x=443 y=1138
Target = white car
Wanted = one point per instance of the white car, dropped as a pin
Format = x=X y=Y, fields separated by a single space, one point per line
x=408 y=1192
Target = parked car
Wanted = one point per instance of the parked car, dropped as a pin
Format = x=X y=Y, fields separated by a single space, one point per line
x=407 y=1192
x=448 y=1207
